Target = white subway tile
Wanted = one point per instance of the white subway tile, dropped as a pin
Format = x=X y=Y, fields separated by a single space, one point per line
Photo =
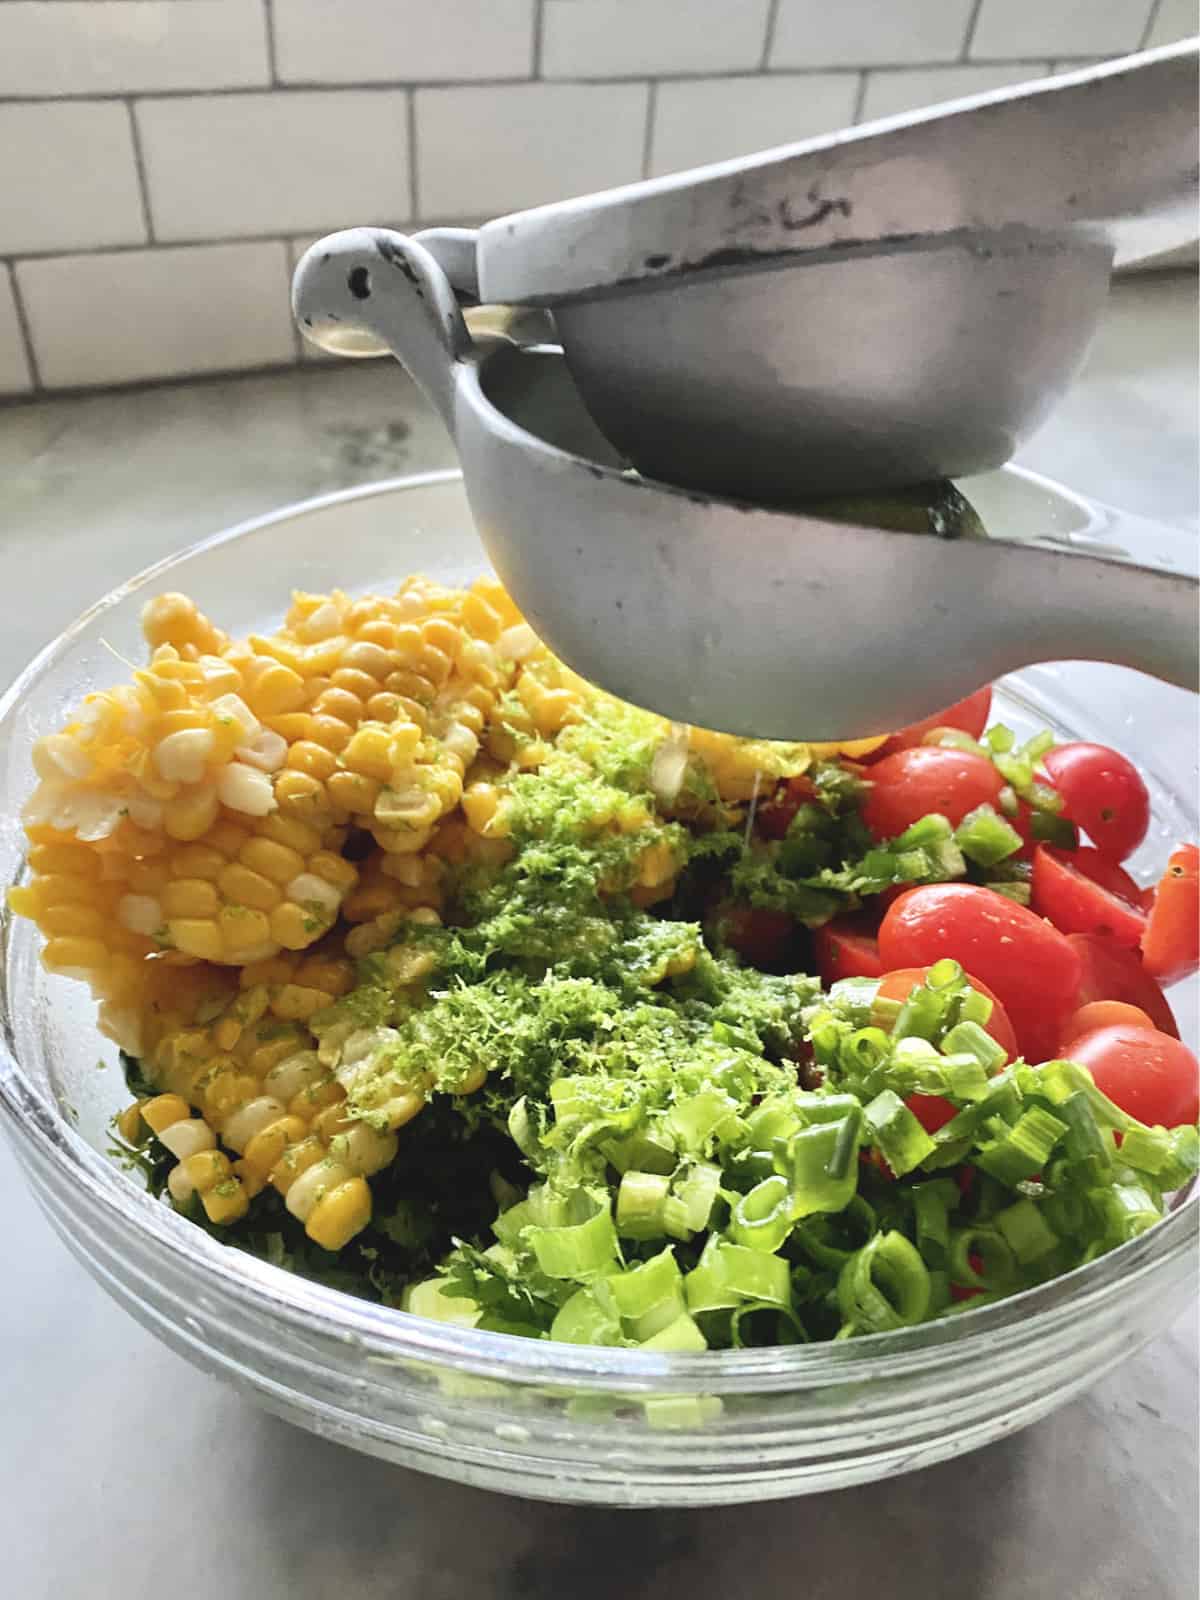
x=910 y=89
x=122 y=46
x=1059 y=27
x=1174 y=20
x=275 y=163
x=136 y=314
x=402 y=41
x=620 y=38
x=714 y=119
x=15 y=376
x=483 y=151
x=853 y=33
x=68 y=179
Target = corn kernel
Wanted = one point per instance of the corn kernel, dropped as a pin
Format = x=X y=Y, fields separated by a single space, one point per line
x=340 y=1214
x=297 y=835
x=242 y=887
x=245 y=933
x=266 y=1148
x=225 y=1203
x=276 y=861
x=191 y=814
x=196 y=937
x=296 y=1159
x=163 y=1110
x=190 y=897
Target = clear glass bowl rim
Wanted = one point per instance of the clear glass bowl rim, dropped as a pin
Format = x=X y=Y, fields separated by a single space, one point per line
x=42 y=1137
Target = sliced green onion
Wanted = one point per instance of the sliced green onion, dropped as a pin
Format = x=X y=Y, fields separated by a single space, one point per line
x=728 y=1274
x=586 y=1318
x=697 y=1192
x=816 y=1236
x=580 y=1251
x=682 y=1334
x=1022 y=1149
x=932 y=1204
x=641 y=1200
x=521 y=1129
x=638 y=1289
x=1185 y=1157
x=921 y=1016
x=658 y=1317
x=1146 y=1149
x=970 y=1038
x=639 y=1152
x=992 y=1248
x=865 y=1049
x=784 y=1322
x=1017 y=890
x=1000 y=739
x=884 y=1285
x=775 y=1118
x=1026 y=1230
x=695 y=1121
x=854 y=997
x=897 y=1134
x=821 y=1165
x=682 y=1410
x=823 y=1108
x=762 y=1219
x=1127 y=1209
x=925 y=834
x=429 y=1299
x=509 y=1225
x=986 y=838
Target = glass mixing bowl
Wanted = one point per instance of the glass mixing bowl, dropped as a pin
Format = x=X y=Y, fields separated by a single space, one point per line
x=554 y=1421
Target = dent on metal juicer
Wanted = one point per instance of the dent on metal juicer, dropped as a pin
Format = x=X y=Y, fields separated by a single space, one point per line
x=708 y=437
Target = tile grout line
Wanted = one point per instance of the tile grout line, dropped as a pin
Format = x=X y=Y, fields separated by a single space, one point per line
x=25 y=330
x=139 y=162
x=413 y=189
x=648 y=131
x=269 y=24
x=1155 y=7
x=769 y=38
x=539 y=26
x=386 y=86
x=972 y=24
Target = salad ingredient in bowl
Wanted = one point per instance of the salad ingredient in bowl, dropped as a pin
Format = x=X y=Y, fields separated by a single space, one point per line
x=450 y=981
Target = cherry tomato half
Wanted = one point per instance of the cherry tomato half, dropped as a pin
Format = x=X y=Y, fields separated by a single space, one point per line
x=1101 y=1014
x=847 y=948
x=1171 y=945
x=1148 y=1074
x=1109 y=972
x=1075 y=902
x=1103 y=793
x=968 y=716
x=899 y=984
x=912 y=783
x=1032 y=968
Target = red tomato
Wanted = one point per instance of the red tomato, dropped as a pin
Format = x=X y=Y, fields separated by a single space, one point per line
x=1171 y=946
x=758 y=935
x=969 y=716
x=898 y=985
x=775 y=818
x=1032 y=968
x=1103 y=794
x=932 y=1111
x=847 y=948
x=910 y=784
x=1102 y=1014
x=1075 y=902
x=1151 y=1076
x=1111 y=973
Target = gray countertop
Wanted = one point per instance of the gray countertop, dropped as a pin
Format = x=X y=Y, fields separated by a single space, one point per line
x=124 y=1472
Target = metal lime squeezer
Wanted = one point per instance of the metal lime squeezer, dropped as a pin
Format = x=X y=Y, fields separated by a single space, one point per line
x=697 y=367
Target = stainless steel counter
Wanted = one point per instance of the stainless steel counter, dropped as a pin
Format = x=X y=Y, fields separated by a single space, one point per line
x=123 y=1472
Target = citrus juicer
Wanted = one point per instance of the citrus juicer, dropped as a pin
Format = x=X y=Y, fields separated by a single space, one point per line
x=900 y=303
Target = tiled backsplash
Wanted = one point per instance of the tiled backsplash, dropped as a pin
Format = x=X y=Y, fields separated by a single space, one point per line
x=162 y=161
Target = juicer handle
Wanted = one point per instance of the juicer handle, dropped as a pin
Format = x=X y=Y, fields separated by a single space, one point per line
x=372 y=292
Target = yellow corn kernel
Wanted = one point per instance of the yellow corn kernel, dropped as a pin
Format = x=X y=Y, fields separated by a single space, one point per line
x=250 y=1180
x=226 y=1033
x=331 y=1121
x=191 y=814
x=198 y=937
x=61 y=921
x=245 y=933
x=402 y=1108
x=205 y=1170
x=352 y=792
x=295 y=1003
x=401 y=841
x=228 y=1090
x=316 y=1097
x=192 y=861
x=369 y=752
x=481 y=618
x=264 y=1152
x=164 y=1111
x=300 y=795
x=340 y=1214
x=311 y=759
x=74 y=956
x=297 y=1158
x=333 y=869
x=226 y=1202
x=242 y=887
x=298 y=836
x=276 y=861
x=498 y=597
x=273 y=689
x=330 y=733
x=330 y=974
x=293 y=927
x=190 y=897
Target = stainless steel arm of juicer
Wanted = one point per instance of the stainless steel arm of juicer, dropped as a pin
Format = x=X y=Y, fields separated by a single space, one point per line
x=710 y=611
